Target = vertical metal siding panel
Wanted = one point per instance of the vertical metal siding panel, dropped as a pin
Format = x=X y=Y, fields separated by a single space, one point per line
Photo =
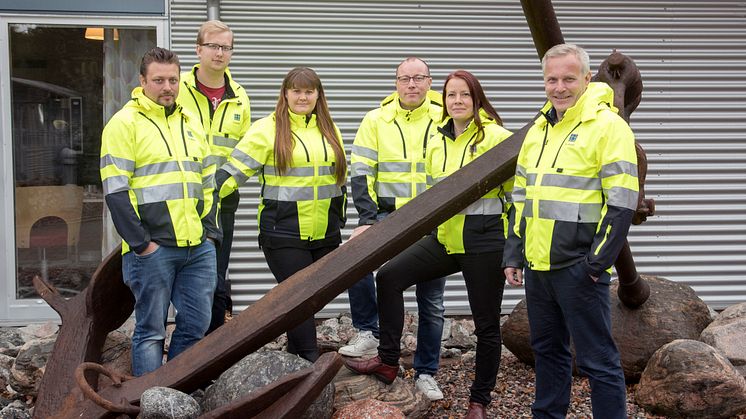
x=690 y=53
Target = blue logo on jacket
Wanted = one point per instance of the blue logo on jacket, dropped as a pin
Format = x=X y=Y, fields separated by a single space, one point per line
x=572 y=138
x=237 y=117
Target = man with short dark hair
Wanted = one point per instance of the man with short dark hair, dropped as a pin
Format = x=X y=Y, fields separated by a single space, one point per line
x=159 y=190
x=222 y=107
x=575 y=194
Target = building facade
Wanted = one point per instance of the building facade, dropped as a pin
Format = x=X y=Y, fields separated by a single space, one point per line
x=64 y=86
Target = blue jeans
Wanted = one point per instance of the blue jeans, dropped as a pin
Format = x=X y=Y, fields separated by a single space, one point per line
x=430 y=308
x=185 y=276
x=564 y=304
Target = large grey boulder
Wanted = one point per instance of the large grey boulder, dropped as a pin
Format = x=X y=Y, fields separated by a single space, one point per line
x=10 y=341
x=462 y=335
x=30 y=364
x=688 y=378
x=117 y=352
x=672 y=312
x=256 y=371
x=351 y=387
x=167 y=403
x=726 y=334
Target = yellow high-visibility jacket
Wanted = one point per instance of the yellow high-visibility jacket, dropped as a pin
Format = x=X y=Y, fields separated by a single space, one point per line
x=227 y=124
x=156 y=184
x=304 y=207
x=482 y=226
x=575 y=187
x=388 y=155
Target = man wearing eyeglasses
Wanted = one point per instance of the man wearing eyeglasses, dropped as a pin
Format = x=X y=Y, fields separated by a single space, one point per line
x=222 y=107
x=388 y=170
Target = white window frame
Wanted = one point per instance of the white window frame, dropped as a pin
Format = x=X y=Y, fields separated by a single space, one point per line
x=15 y=311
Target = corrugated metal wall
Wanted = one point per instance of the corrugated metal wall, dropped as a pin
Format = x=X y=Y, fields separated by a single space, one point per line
x=692 y=55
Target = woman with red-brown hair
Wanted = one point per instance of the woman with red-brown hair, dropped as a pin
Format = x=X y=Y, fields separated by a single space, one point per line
x=470 y=242
x=298 y=154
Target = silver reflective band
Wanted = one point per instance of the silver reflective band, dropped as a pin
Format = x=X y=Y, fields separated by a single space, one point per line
x=622 y=197
x=572 y=212
x=531 y=179
x=224 y=141
x=395 y=167
x=300 y=193
x=520 y=171
x=120 y=163
x=394 y=190
x=161 y=193
x=218 y=161
x=618 y=168
x=484 y=206
x=246 y=159
x=116 y=184
x=420 y=188
x=518 y=194
x=362 y=169
x=235 y=173
x=208 y=181
x=571 y=182
x=365 y=152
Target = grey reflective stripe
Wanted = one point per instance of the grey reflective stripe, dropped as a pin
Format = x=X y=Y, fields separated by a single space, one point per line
x=520 y=171
x=166 y=167
x=362 y=169
x=569 y=211
x=518 y=194
x=235 y=173
x=208 y=181
x=213 y=159
x=329 y=191
x=326 y=170
x=420 y=167
x=395 y=167
x=300 y=193
x=509 y=196
x=394 y=190
x=291 y=171
x=120 y=163
x=160 y=193
x=484 y=206
x=224 y=141
x=531 y=179
x=366 y=152
x=528 y=208
x=430 y=180
x=571 y=182
x=116 y=184
x=420 y=187
x=622 y=197
x=246 y=159
x=618 y=168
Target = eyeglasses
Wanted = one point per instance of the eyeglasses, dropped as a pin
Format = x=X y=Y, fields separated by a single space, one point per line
x=214 y=47
x=418 y=79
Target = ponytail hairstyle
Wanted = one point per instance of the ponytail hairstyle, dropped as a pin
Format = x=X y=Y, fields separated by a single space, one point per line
x=306 y=78
x=479 y=101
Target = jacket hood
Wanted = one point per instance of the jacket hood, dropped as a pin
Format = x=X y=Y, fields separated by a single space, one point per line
x=596 y=97
x=142 y=103
x=390 y=105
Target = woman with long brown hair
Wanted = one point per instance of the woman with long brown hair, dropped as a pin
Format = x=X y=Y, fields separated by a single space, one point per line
x=470 y=242
x=298 y=155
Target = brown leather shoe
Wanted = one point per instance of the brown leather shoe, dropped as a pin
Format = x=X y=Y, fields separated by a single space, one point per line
x=373 y=366
x=476 y=411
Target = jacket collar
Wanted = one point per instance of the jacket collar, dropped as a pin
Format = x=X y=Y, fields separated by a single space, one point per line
x=190 y=78
x=446 y=128
x=432 y=106
x=302 y=121
x=146 y=105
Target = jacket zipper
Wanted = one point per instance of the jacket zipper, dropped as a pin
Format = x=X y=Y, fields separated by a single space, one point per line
x=563 y=142
x=403 y=141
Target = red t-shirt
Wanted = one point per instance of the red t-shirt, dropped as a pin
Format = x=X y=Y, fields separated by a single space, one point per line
x=215 y=96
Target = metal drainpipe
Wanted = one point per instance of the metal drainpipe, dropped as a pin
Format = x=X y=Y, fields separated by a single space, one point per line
x=213 y=9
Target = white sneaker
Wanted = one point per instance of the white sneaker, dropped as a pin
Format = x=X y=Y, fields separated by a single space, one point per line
x=426 y=384
x=362 y=344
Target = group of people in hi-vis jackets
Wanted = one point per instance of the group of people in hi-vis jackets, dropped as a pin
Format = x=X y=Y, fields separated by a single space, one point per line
x=559 y=222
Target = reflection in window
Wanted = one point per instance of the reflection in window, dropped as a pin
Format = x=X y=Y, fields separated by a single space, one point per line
x=64 y=89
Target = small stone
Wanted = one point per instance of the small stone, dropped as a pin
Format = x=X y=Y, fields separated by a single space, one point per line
x=30 y=364
x=167 y=403
x=38 y=331
x=15 y=410
x=462 y=335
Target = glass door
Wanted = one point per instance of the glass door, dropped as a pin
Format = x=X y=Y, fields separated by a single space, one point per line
x=64 y=81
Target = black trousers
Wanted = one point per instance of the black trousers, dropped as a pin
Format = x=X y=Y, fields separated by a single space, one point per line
x=221 y=301
x=283 y=263
x=485 y=281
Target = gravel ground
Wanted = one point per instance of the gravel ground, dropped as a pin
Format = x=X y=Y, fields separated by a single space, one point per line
x=513 y=393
